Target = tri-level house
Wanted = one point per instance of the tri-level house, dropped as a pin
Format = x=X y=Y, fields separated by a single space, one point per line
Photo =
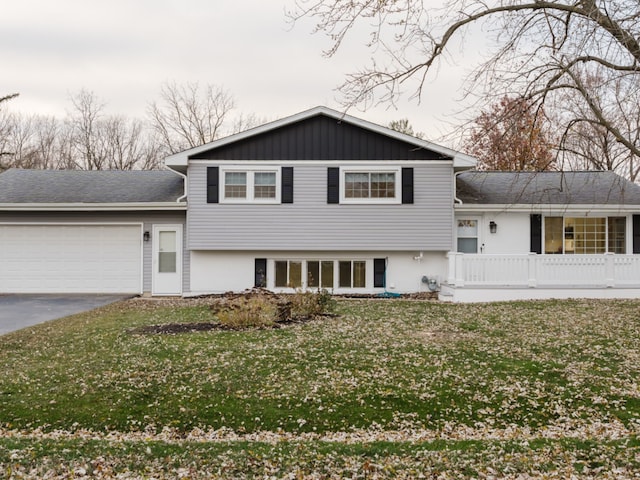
x=321 y=200
x=318 y=200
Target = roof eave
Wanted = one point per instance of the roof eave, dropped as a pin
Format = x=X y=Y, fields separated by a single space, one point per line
x=93 y=207
x=545 y=207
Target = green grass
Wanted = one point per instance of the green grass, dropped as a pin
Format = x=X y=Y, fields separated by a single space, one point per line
x=387 y=387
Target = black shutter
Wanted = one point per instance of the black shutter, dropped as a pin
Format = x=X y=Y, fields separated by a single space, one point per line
x=636 y=234
x=379 y=272
x=212 y=184
x=536 y=234
x=287 y=185
x=260 y=273
x=333 y=185
x=407 y=185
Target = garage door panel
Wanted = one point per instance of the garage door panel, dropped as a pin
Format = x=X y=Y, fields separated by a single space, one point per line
x=70 y=258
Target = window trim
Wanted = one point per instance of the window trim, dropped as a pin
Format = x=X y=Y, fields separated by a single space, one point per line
x=395 y=200
x=250 y=171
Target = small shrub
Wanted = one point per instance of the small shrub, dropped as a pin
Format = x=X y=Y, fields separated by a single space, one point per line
x=308 y=303
x=249 y=312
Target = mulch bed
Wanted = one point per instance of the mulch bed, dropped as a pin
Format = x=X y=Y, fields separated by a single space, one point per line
x=217 y=301
x=175 y=328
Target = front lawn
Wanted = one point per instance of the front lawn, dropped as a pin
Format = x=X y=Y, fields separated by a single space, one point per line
x=387 y=389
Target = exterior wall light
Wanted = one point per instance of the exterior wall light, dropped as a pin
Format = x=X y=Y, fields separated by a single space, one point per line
x=146 y=236
x=493 y=226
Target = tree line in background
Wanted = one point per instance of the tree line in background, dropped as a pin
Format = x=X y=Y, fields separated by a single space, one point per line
x=88 y=138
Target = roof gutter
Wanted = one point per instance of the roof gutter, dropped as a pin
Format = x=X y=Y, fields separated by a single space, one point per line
x=580 y=209
x=184 y=183
x=90 y=207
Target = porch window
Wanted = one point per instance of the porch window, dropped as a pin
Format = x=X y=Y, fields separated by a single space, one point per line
x=467 y=236
x=585 y=235
x=617 y=228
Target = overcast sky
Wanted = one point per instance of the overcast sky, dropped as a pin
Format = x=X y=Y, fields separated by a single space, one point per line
x=123 y=50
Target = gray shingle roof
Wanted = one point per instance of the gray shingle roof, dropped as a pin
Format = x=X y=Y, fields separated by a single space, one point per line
x=96 y=186
x=546 y=188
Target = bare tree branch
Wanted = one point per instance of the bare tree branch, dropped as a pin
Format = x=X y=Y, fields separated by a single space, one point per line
x=545 y=51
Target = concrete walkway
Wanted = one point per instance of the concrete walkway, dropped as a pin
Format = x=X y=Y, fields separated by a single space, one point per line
x=20 y=311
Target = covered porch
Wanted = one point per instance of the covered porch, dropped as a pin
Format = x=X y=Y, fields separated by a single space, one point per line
x=492 y=277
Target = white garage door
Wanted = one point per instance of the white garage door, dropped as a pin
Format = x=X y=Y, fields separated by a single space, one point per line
x=70 y=259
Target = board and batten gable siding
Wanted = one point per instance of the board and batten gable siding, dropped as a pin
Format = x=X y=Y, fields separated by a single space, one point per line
x=319 y=138
x=148 y=219
x=310 y=223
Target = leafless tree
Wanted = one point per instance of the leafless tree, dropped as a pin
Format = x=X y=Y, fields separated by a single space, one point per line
x=589 y=145
x=5 y=128
x=97 y=141
x=242 y=122
x=187 y=116
x=543 y=50
x=47 y=141
x=88 y=137
x=127 y=145
x=404 y=126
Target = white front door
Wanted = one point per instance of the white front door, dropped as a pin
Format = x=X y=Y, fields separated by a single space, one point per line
x=167 y=260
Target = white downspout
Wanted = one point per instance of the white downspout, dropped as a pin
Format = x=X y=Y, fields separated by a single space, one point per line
x=184 y=177
x=455 y=187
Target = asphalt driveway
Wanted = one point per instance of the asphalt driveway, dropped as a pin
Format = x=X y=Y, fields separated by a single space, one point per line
x=20 y=311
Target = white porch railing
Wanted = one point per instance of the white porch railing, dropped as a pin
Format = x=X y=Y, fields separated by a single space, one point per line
x=532 y=270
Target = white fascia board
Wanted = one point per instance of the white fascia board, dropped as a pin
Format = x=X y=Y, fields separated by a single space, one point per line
x=460 y=160
x=545 y=208
x=93 y=207
x=269 y=164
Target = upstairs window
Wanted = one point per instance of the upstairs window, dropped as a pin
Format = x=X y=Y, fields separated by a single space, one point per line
x=245 y=185
x=265 y=184
x=235 y=185
x=370 y=185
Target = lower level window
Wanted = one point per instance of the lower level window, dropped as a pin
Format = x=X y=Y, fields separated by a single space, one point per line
x=352 y=274
x=288 y=274
x=320 y=273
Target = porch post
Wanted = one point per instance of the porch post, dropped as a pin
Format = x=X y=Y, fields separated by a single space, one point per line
x=609 y=270
x=451 y=259
x=533 y=270
x=455 y=269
